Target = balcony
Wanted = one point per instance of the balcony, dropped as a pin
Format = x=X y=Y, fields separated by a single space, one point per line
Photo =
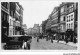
x=5 y=9
x=54 y=25
x=62 y=22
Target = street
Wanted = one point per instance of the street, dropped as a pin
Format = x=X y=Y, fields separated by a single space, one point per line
x=47 y=45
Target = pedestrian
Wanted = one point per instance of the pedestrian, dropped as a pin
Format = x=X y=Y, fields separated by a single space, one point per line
x=51 y=38
x=24 y=46
x=66 y=39
x=37 y=39
x=58 y=36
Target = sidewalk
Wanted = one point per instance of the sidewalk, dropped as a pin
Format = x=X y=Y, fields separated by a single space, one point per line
x=69 y=43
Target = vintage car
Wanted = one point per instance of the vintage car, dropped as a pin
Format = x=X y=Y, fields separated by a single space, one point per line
x=16 y=41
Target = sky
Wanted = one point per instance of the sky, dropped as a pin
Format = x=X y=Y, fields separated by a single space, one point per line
x=37 y=11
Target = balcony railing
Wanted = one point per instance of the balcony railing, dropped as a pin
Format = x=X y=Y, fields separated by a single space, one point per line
x=4 y=9
x=62 y=21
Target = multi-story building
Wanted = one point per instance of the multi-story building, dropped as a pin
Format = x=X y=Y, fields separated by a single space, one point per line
x=36 y=29
x=21 y=18
x=54 y=19
x=48 y=24
x=11 y=18
x=53 y=22
x=71 y=19
x=43 y=27
x=4 y=20
x=30 y=31
x=11 y=13
x=15 y=18
x=62 y=20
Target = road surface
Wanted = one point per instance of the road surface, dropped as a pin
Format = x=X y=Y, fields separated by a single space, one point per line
x=47 y=45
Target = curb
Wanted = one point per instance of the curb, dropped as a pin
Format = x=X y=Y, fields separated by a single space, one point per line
x=69 y=43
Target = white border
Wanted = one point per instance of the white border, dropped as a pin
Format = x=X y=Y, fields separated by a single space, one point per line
x=40 y=51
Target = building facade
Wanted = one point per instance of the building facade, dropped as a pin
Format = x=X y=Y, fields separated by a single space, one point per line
x=54 y=19
x=36 y=29
x=71 y=20
x=4 y=20
x=62 y=23
x=63 y=20
x=10 y=18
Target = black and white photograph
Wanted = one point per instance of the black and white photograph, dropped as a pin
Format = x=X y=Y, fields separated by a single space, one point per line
x=39 y=25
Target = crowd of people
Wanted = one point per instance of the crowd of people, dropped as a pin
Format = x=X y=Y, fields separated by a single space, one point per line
x=68 y=37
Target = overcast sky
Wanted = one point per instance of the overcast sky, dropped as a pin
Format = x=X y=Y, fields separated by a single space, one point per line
x=37 y=11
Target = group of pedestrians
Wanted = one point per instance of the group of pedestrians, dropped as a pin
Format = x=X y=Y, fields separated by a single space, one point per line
x=26 y=42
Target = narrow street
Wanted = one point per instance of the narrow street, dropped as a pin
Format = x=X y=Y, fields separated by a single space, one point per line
x=47 y=45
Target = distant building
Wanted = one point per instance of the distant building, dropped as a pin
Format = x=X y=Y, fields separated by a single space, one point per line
x=25 y=28
x=41 y=29
x=36 y=28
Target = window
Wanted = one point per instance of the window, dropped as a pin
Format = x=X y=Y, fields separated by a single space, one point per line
x=10 y=21
x=72 y=9
x=69 y=26
x=5 y=16
x=61 y=18
x=62 y=9
x=71 y=17
x=64 y=18
x=67 y=18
